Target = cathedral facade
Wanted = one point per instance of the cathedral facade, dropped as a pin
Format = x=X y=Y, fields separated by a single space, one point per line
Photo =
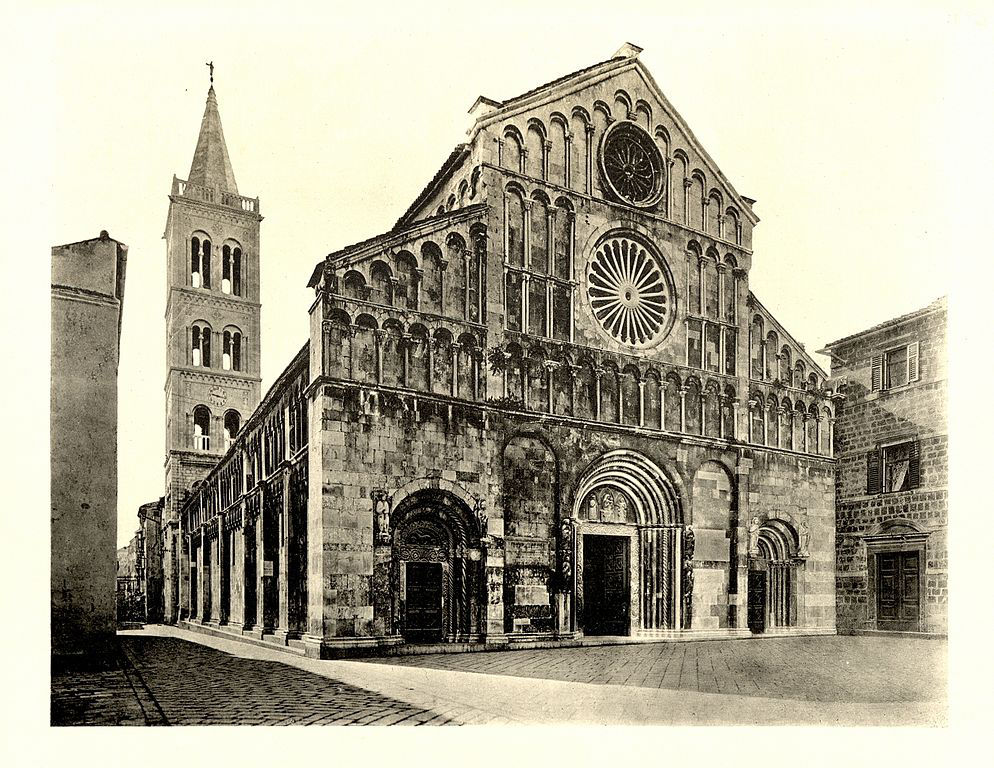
x=544 y=407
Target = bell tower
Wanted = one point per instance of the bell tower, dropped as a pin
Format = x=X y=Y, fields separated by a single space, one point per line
x=212 y=328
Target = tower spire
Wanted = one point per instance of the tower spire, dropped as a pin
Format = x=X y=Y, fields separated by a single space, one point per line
x=211 y=165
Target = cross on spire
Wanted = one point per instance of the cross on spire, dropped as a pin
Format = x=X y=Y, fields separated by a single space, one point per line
x=210 y=64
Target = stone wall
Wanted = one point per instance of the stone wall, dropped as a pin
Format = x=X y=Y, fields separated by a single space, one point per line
x=87 y=299
x=367 y=443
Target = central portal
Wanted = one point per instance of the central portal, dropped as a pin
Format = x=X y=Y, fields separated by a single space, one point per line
x=606 y=592
x=423 y=623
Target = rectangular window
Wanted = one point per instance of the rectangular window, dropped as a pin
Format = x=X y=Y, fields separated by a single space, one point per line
x=894 y=368
x=893 y=468
x=512 y=308
x=729 y=352
x=561 y=311
x=693 y=344
x=536 y=307
x=712 y=344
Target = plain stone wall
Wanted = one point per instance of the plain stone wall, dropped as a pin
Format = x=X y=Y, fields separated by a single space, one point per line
x=87 y=298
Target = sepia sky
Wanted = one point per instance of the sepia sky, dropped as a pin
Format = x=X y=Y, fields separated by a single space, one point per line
x=837 y=120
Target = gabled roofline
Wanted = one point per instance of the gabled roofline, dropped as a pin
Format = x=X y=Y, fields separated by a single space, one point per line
x=939 y=305
x=581 y=79
x=452 y=163
x=784 y=332
x=357 y=251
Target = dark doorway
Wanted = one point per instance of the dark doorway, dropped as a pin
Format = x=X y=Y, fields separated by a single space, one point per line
x=757 y=601
x=423 y=620
x=605 y=585
x=898 y=584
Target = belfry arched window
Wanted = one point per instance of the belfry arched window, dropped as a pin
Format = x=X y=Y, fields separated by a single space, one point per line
x=201 y=428
x=231 y=353
x=201 y=345
x=231 y=270
x=232 y=423
x=200 y=262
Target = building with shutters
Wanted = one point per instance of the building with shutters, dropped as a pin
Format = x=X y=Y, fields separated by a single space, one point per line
x=891 y=443
x=544 y=407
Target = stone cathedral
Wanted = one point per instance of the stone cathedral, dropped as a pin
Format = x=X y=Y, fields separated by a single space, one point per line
x=545 y=407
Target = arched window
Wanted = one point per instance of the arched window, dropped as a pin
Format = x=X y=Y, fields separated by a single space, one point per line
x=201 y=345
x=511 y=151
x=201 y=428
x=381 y=291
x=455 y=277
x=693 y=279
x=711 y=285
x=232 y=423
x=756 y=421
x=538 y=257
x=786 y=372
x=563 y=239
x=226 y=269
x=756 y=343
x=200 y=262
x=477 y=262
x=231 y=351
x=515 y=229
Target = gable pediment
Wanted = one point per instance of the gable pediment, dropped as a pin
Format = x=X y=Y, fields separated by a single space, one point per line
x=619 y=89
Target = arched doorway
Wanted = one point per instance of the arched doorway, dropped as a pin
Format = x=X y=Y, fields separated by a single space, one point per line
x=773 y=560
x=435 y=568
x=628 y=543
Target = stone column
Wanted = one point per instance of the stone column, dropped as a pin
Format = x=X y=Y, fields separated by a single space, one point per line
x=221 y=614
x=598 y=372
x=683 y=409
x=740 y=562
x=283 y=526
x=590 y=158
x=181 y=542
x=205 y=555
x=641 y=383
x=246 y=613
x=260 y=566
x=378 y=343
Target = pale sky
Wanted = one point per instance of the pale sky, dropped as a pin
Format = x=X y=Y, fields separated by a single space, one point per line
x=842 y=123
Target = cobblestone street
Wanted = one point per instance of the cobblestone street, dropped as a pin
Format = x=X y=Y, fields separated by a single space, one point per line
x=829 y=668
x=175 y=677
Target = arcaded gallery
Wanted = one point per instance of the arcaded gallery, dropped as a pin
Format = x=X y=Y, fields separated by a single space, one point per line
x=544 y=407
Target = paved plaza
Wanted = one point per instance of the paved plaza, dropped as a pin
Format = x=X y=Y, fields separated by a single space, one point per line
x=169 y=676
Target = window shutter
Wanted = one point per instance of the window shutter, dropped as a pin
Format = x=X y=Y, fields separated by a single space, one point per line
x=913 y=362
x=873 y=471
x=914 y=468
x=876 y=372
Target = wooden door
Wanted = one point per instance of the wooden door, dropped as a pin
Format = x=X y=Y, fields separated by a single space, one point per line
x=605 y=585
x=898 y=586
x=423 y=619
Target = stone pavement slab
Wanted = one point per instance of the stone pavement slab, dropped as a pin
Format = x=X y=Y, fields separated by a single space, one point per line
x=672 y=685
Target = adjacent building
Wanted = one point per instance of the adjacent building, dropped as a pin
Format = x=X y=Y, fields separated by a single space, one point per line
x=545 y=405
x=87 y=301
x=892 y=493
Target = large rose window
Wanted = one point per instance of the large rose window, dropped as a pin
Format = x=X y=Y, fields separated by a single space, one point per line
x=630 y=292
x=632 y=164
